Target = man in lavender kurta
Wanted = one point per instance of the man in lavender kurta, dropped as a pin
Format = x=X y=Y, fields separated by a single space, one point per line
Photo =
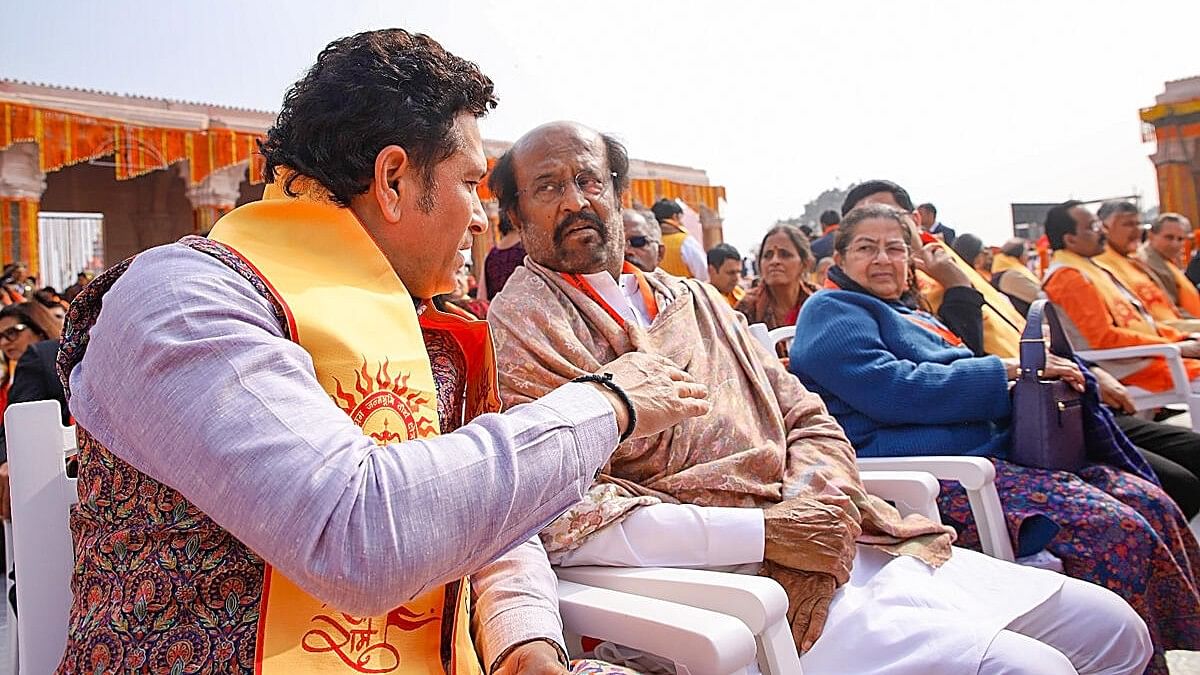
x=208 y=446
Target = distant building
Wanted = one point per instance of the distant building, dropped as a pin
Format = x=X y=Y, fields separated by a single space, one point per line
x=1174 y=124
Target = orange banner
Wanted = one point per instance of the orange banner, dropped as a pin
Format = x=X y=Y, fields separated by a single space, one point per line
x=66 y=138
x=646 y=191
x=19 y=232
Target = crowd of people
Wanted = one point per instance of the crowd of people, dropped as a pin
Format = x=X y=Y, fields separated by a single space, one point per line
x=307 y=440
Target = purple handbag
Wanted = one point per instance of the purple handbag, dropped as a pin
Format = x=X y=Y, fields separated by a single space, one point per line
x=1047 y=415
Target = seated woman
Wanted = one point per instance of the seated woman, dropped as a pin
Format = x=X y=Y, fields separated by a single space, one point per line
x=783 y=263
x=900 y=383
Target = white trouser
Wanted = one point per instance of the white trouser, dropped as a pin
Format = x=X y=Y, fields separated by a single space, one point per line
x=1082 y=628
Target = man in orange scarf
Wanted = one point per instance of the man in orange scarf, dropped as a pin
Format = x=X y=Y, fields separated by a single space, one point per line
x=1101 y=313
x=1123 y=234
x=1160 y=252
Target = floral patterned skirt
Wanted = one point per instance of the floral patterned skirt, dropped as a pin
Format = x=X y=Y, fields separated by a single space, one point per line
x=1115 y=530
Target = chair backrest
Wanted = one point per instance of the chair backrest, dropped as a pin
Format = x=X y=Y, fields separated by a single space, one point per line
x=770 y=338
x=42 y=495
x=784 y=334
x=759 y=332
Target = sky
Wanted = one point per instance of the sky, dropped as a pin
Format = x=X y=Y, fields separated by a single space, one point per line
x=969 y=105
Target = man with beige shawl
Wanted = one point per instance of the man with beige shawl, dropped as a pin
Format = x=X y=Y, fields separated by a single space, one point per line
x=767 y=479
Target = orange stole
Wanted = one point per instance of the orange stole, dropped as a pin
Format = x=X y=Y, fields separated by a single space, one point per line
x=1130 y=273
x=361 y=328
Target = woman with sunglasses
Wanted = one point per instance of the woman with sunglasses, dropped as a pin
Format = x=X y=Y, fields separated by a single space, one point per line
x=29 y=335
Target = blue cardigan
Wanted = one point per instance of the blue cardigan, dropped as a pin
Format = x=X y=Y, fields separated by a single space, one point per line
x=896 y=388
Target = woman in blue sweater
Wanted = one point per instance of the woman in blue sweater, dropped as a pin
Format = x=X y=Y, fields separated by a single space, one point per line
x=901 y=383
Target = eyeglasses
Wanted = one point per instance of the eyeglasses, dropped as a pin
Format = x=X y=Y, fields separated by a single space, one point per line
x=871 y=251
x=549 y=191
x=638 y=242
x=12 y=333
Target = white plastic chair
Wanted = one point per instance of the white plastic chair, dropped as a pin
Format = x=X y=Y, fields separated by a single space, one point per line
x=698 y=641
x=976 y=474
x=42 y=494
x=758 y=602
x=9 y=608
x=1181 y=389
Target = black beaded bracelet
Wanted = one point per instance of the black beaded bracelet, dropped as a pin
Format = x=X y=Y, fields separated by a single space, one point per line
x=605 y=380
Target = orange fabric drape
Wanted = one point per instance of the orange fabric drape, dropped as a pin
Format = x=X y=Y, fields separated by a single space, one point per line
x=19 y=232
x=646 y=191
x=66 y=138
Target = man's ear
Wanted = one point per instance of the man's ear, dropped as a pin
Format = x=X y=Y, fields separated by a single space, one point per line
x=662 y=252
x=515 y=218
x=393 y=176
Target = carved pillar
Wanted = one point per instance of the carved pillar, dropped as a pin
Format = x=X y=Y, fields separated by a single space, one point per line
x=214 y=196
x=21 y=186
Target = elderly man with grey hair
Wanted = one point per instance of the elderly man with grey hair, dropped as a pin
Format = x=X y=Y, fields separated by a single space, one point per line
x=1123 y=227
x=643 y=241
x=1161 y=251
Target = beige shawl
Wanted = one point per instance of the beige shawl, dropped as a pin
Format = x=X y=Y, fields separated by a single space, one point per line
x=766 y=439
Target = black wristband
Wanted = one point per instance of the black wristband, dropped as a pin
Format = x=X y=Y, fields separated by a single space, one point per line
x=605 y=380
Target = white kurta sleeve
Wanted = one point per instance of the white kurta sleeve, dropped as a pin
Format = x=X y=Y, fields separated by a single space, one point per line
x=695 y=258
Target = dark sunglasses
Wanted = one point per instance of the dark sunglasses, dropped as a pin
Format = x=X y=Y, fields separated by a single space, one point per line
x=12 y=333
x=638 y=242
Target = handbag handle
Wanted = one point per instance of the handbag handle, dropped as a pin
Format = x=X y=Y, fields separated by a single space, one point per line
x=1033 y=345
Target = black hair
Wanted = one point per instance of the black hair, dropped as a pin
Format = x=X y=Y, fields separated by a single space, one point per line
x=504 y=224
x=666 y=208
x=928 y=207
x=830 y=217
x=968 y=247
x=1015 y=247
x=364 y=93
x=503 y=180
x=867 y=188
x=1060 y=223
x=793 y=233
x=855 y=217
x=718 y=254
x=23 y=312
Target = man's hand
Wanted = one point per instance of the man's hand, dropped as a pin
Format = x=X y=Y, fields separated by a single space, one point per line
x=5 y=498
x=1063 y=369
x=933 y=260
x=1112 y=392
x=812 y=534
x=809 y=595
x=662 y=394
x=532 y=658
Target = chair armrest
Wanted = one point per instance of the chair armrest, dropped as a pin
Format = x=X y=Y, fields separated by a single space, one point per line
x=972 y=472
x=977 y=475
x=910 y=491
x=757 y=601
x=1179 y=377
x=700 y=641
x=1136 y=351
